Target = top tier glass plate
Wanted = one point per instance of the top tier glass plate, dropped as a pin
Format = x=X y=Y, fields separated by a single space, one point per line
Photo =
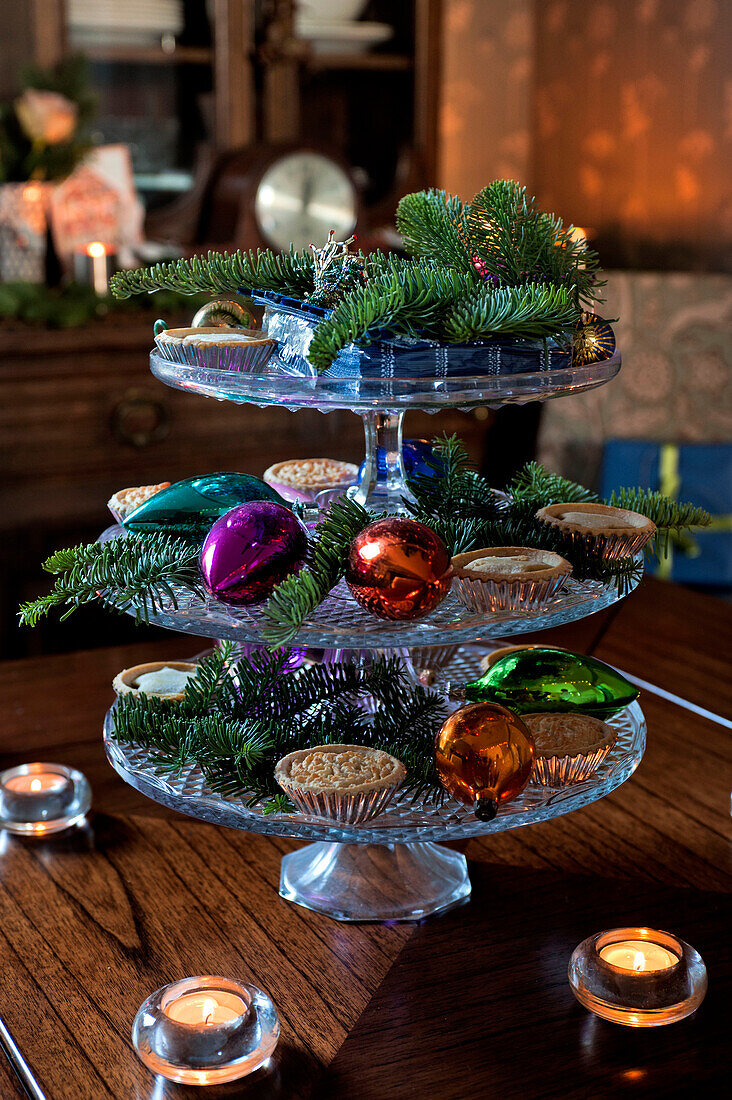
x=277 y=384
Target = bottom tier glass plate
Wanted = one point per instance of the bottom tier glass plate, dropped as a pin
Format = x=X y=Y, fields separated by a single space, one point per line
x=408 y=820
x=391 y=868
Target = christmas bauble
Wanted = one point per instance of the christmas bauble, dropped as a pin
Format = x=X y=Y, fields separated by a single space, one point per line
x=398 y=569
x=594 y=340
x=484 y=755
x=250 y=550
x=223 y=313
x=190 y=507
x=418 y=456
x=544 y=679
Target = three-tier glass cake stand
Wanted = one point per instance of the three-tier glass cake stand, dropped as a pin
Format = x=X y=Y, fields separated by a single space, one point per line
x=394 y=867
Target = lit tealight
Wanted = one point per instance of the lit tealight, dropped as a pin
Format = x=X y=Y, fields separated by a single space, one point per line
x=638 y=956
x=37 y=799
x=30 y=783
x=207 y=1030
x=640 y=977
x=207 y=1009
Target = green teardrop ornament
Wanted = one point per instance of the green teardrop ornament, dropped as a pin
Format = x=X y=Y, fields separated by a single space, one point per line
x=191 y=507
x=553 y=680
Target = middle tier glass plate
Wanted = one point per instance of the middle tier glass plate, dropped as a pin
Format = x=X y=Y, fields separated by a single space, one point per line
x=340 y=623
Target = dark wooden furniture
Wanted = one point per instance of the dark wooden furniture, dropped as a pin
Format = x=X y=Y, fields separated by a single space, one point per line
x=474 y=1003
x=81 y=416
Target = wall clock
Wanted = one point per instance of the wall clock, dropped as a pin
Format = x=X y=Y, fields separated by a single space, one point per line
x=271 y=196
x=300 y=197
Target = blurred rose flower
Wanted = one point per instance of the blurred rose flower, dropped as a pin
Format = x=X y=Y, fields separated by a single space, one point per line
x=46 y=117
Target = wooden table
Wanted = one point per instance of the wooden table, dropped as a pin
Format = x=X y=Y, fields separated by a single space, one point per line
x=474 y=1003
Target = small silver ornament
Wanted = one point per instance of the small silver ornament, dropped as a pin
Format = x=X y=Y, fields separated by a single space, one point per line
x=225 y=312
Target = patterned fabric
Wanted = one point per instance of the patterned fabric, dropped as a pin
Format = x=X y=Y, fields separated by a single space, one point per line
x=674 y=386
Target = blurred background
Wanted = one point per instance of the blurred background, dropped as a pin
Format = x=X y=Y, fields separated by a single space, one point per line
x=138 y=131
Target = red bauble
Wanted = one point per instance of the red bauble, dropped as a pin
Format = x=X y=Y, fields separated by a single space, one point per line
x=398 y=569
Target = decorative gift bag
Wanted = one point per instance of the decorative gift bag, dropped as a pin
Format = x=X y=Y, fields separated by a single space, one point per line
x=23 y=232
x=697 y=472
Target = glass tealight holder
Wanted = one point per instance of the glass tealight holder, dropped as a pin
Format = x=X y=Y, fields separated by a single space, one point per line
x=639 y=977
x=206 y=1030
x=38 y=799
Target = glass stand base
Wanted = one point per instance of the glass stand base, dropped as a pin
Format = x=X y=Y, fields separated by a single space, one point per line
x=375 y=882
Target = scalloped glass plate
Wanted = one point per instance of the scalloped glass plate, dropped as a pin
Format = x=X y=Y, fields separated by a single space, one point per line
x=340 y=623
x=276 y=384
x=408 y=820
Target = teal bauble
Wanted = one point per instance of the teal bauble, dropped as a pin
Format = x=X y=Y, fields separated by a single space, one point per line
x=540 y=679
x=191 y=507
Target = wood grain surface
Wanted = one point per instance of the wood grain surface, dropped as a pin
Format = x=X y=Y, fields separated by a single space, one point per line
x=478 y=1003
x=92 y=922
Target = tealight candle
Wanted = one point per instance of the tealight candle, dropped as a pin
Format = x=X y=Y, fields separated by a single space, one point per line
x=638 y=956
x=206 y=1009
x=34 y=784
x=640 y=977
x=206 y=1030
x=42 y=798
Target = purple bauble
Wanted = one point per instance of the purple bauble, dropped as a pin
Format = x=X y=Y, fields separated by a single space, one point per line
x=250 y=550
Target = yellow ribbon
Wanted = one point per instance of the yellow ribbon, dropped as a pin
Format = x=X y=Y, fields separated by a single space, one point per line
x=670 y=483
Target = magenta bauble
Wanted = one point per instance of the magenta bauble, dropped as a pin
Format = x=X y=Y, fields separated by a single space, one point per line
x=250 y=550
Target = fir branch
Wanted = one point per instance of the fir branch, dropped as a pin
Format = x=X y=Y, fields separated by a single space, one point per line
x=287 y=272
x=432 y=225
x=410 y=298
x=455 y=501
x=134 y=572
x=524 y=312
x=237 y=752
x=535 y=487
x=667 y=514
x=295 y=598
x=212 y=677
x=519 y=244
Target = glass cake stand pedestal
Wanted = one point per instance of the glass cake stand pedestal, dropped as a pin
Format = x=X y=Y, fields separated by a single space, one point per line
x=395 y=867
x=382 y=403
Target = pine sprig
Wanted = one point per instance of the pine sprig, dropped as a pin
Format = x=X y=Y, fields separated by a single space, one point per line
x=667 y=514
x=519 y=244
x=237 y=752
x=135 y=572
x=295 y=598
x=534 y=487
x=432 y=225
x=531 y=312
x=287 y=272
x=457 y=499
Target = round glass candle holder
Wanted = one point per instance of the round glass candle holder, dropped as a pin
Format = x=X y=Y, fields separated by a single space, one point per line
x=639 y=977
x=38 y=799
x=206 y=1030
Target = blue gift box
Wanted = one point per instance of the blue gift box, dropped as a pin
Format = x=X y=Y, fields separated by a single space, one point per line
x=292 y=323
x=700 y=473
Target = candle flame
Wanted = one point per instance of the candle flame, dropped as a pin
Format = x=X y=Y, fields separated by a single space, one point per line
x=639 y=961
x=95 y=249
x=36 y=785
x=208 y=1009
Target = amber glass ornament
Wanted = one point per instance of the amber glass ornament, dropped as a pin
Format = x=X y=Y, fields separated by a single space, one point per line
x=484 y=755
x=398 y=569
x=594 y=340
x=547 y=679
